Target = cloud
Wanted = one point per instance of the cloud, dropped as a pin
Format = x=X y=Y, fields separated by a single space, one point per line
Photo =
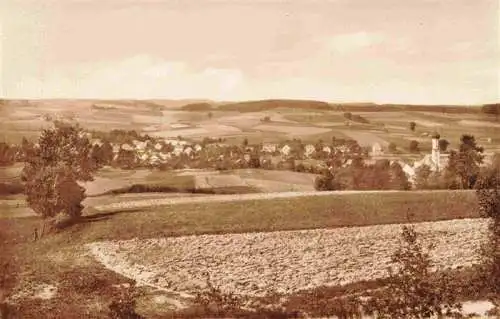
x=349 y=42
x=140 y=76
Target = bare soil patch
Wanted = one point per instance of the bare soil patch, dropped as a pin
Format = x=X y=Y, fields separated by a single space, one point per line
x=365 y=138
x=291 y=130
x=287 y=261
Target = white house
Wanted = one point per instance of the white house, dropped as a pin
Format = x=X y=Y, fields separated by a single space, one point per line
x=285 y=150
x=377 y=150
x=198 y=148
x=178 y=150
x=269 y=148
x=188 y=150
x=158 y=146
x=327 y=149
x=309 y=150
x=127 y=147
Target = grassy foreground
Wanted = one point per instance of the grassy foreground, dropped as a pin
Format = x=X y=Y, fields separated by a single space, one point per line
x=85 y=288
x=278 y=214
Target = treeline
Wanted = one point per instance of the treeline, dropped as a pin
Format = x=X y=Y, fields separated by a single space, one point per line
x=463 y=170
x=491 y=109
x=382 y=175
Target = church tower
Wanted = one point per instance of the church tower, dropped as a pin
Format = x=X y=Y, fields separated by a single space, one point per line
x=436 y=156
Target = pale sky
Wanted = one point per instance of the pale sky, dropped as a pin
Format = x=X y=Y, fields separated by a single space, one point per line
x=383 y=51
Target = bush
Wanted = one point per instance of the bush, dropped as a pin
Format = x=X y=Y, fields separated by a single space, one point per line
x=488 y=194
x=123 y=305
x=412 y=291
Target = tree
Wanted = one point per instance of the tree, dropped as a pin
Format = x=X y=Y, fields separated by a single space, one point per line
x=413 y=126
x=106 y=153
x=412 y=291
x=245 y=142
x=378 y=175
x=450 y=178
x=443 y=145
x=414 y=147
x=392 y=147
x=398 y=179
x=210 y=115
x=52 y=169
x=425 y=178
x=468 y=161
x=7 y=154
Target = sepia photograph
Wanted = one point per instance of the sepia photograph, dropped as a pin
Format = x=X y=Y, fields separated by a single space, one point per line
x=249 y=159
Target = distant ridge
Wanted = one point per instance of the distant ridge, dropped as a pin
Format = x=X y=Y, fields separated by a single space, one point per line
x=254 y=105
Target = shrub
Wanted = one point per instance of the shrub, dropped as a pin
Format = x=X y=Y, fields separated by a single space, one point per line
x=488 y=194
x=412 y=292
x=123 y=305
x=413 y=126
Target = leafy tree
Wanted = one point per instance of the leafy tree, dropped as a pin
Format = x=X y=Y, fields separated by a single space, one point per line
x=7 y=154
x=413 y=126
x=443 y=145
x=450 y=178
x=413 y=291
x=469 y=159
x=414 y=146
x=348 y=115
x=392 y=147
x=378 y=175
x=106 y=153
x=245 y=142
x=52 y=169
x=210 y=115
x=398 y=178
x=425 y=178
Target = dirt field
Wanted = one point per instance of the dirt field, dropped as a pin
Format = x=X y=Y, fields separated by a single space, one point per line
x=478 y=123
x=253 y=263
x=291 y=130
x=365 y=138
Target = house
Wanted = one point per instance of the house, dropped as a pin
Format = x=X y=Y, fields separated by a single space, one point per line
x=285 y=150
x=377 y=150
x=154 y=159
x=158 y=146
x=164 y=156
x=327 y=149
x=269 y=148
x=309 y=150
x=144 y=157
x=178 y=150
x=116 y=148
x=140 y=146
x=188 y=150
x=198 y=148
x=127 y=147
x=96 y=141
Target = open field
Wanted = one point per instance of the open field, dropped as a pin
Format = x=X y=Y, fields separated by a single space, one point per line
x=289 y=262
x=308 y=120
x=63 y=260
